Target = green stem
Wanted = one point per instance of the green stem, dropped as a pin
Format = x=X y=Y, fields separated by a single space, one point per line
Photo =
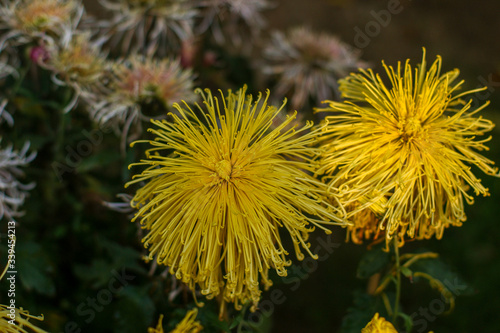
x=22 y=75
x=387 y=303
x=59 y=142
x=398 y=281
x=240 y=324
x=412 y=257
x=63 y=119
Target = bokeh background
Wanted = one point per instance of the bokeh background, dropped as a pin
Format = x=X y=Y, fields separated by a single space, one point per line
x=69 y=242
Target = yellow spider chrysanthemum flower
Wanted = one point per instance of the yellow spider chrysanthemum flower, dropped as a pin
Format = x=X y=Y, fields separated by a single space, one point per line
x=365 y=225
x=221 y=186
x=20 y=324
x=404 y=150
x=14 y=320
x=379 y=325
x=187 y=325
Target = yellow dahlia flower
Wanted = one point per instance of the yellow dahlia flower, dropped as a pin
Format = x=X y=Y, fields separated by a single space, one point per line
x=379 y=325
x=404 y=150
x=187 y=325
x=221 y=186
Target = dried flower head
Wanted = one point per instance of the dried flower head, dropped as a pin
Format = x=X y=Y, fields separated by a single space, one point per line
x=5 y=67
x=379 y=325
x=404 y=151
x=307 y=65
x=4 y=115
x=5 y=70
x=219 y=189
x=138 y=82
x=12 y=192
x=234 y=19
x=187 y=325
x=77 y=61
x=153 y=26
x=28 y=20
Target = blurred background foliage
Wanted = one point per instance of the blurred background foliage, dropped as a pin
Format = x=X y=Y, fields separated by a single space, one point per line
x=70 y=246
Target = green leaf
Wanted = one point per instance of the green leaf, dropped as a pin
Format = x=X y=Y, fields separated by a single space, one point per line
x=130 y=157
x=372 y=262
x=37 y=141
x=236 y=321
x=28 y=107
x=408 y=321
x=406 y=271
x=98 y=160
x=34 y=268
x=264 y=325
x=123 y=256
x=118 y=257
x=99 y=272
x=364 y=308
x=134 y=311
x=209 y=318
x=444 y=274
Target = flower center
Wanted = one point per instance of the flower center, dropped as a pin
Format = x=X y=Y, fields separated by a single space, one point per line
x=410 y=128
x=223 y=169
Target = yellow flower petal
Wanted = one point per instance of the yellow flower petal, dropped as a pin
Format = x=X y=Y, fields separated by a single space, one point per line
x=187 y=325
x=379 y=325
